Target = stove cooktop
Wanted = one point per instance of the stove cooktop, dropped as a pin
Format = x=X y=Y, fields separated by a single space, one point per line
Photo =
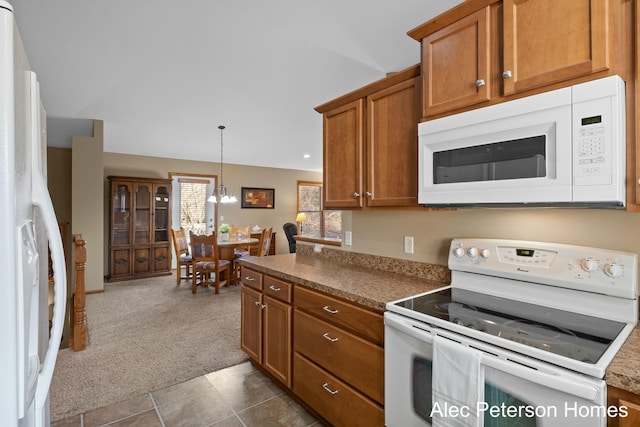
x=576 y=336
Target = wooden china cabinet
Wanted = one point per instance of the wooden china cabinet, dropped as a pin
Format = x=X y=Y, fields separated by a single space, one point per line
x=140 y=220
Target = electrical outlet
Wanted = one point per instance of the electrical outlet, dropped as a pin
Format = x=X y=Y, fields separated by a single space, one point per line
x=317 y=248
x=408 y=244
x=347 y=238
x=221 y=218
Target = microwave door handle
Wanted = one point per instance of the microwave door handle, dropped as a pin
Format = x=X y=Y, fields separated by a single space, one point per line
x=556 y=382
x=417 y=330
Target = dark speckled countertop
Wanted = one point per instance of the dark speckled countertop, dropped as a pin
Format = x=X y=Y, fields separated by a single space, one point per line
x=624 y=370
x=373 y=281
x=355 y=283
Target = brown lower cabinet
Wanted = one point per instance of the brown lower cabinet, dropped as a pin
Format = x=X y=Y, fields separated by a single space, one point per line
x=626 y=402
x=266 y=323
x=338 y=358
x=326 y=351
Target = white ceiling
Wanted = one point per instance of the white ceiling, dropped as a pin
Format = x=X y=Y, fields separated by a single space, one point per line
x=163 y=75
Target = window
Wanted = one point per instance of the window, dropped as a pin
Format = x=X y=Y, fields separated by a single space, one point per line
x=320 y=223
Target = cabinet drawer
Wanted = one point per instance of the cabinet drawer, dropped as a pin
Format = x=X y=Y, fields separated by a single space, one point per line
x=334 y=400
x=356 y=361
x=278 y=289
x=251 y=278
x=358 y=320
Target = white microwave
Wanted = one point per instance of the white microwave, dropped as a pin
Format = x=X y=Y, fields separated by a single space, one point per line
x=564 y=147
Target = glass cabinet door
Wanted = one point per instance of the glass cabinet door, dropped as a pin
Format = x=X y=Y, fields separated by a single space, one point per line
x=142 y=226
x=161 y=212
x=121 y=214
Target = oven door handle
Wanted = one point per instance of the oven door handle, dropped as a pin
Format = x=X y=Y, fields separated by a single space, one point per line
x=419 y=331
x=556 y=382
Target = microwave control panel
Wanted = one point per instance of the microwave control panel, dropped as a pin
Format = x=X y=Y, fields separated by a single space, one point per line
x=599 y=139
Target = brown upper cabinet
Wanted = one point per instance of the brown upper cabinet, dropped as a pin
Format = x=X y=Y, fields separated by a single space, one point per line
x=487 y=50
x=370 y=144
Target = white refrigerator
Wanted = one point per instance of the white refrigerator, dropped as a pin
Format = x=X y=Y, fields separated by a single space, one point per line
x=28 y=230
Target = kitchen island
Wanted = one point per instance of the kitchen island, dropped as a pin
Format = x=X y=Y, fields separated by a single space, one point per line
x=314 y=323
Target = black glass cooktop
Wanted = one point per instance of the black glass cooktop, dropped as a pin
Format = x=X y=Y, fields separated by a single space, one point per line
x=577 y=336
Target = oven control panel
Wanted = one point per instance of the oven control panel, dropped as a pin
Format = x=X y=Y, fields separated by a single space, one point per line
x=576 y=267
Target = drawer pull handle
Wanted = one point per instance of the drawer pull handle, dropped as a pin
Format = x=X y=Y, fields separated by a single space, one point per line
x=329 y=310
x=249 y=279
x=256 y=302
x=273 y=288
x=327 y=337
x=326 y=387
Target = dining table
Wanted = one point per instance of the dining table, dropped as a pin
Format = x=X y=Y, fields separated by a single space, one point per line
x=227 y=248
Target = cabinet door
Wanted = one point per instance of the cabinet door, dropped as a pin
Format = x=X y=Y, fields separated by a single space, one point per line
x=121 y=197
x=142 y=260
x=142 y=214
x=251 y=323
x=343 y=145
x=120 y=263
x=161 y=213
x=392 y=141
x=277 y=339
x=548 y=41
x=455 y=65
x=161 y=259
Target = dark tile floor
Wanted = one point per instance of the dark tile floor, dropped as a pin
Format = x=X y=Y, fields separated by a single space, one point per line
x=239 y=396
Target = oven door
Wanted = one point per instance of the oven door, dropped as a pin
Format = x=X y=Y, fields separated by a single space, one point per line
x=517 y=390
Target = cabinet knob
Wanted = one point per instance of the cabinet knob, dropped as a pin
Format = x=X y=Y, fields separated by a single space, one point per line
x=480 y=83
x=368 y=194
x=507 y=74
x=356 y=194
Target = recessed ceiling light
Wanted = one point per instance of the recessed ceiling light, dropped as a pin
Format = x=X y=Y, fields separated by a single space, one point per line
x=306 y=156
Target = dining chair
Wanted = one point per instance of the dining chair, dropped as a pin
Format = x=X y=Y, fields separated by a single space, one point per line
x=264 y=244
x=240 y=233
x=206 y=262
x=183 y=257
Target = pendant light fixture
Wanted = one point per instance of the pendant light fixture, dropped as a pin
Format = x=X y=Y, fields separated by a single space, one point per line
x=221 y=193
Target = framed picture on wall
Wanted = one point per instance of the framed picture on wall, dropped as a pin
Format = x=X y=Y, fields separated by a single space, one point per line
x=258 y=198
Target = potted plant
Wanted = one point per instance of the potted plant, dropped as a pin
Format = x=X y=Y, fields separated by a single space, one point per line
x=224 y=232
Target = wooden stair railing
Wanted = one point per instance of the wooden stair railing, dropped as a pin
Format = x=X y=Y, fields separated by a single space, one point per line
x=79 y=334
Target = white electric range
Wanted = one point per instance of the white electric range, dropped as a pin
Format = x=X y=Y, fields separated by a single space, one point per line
x=540 y=322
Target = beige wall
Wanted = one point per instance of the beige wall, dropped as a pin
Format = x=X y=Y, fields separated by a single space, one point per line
x=382 y=233
x=284 y=181
x=87 y=201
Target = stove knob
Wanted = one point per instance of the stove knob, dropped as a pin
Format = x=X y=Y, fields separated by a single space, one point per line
x=613 y=270
x=458 y=252
x=588 y=264
x=485 y=253
x=472 y=252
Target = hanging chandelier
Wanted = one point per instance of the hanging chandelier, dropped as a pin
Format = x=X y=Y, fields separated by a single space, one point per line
x=221 y=193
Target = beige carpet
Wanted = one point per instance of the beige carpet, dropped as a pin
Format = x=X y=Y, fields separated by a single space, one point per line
x=145 y=335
